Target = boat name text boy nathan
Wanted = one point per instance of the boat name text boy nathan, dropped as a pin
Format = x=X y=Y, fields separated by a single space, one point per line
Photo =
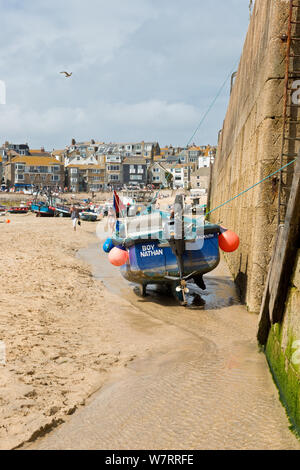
x=149 y=250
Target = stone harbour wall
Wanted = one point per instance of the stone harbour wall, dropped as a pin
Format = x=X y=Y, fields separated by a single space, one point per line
x=249 y=149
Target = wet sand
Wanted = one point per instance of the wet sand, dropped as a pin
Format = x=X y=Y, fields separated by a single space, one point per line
x=111 y=370
x=64 y=333
x=199 y=383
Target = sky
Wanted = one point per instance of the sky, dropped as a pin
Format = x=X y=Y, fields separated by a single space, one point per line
x=142 y=69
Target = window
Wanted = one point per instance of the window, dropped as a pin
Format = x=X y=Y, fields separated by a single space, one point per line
x=140 y=169
x=74 y=171
x=20 y=177
x=43 y=169
x=136 y=177
x=74 y=180
x=20 y=167
x=114 y=168
x=114 y=177
x=132 y=169
x=55 y=178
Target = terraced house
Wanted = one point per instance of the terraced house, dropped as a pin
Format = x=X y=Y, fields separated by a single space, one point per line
x=114 y=170
x=39 y=169
x=135 y=171
x=86 y=178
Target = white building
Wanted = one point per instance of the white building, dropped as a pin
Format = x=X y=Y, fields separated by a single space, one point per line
x=204 y=162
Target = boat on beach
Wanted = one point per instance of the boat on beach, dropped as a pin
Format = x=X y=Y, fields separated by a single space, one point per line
x=154 y=261
x=41 y=209
x=61 y=210
x=167 y=249
x=88 y=216
x=18 y=210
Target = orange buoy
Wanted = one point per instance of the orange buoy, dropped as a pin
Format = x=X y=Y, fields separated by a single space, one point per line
x=229 y=241
x=118 y=257
x=8 y=221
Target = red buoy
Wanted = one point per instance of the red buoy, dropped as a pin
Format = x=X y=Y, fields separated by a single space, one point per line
x=118 y=257
x=229 y=241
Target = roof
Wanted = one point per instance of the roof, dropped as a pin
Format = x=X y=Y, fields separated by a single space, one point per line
x=39 y=153
x=183 y=165
x=134 y=161
x=87 y=167
x=12 y=152
x=163 y=167
x=36 y=160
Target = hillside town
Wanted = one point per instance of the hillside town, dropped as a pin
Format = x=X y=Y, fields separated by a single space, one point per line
x=96 y=166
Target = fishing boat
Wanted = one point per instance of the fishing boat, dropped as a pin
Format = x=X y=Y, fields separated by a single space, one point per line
x=18 y=210
x=88 y=216
x=167 y=249
x=41 y=209
x=61 y=210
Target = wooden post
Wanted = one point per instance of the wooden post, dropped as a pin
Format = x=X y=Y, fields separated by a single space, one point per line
x=282 y=264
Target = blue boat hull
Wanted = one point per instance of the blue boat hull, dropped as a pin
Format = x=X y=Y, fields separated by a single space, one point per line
x=150 y=262
x=42 y=210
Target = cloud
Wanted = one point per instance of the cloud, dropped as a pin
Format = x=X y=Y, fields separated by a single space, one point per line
x=130 y=119
x=144 y=69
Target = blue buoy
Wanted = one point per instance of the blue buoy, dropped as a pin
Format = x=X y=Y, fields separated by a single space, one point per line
x=108 y=245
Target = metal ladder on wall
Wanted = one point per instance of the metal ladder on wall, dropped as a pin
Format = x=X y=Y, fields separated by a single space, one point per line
x=291 y=118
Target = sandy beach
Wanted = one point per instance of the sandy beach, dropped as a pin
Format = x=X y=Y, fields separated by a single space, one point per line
x=62 y=331
x=102 y=368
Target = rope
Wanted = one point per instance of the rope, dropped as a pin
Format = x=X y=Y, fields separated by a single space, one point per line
x=211 y=105
x=251 y=187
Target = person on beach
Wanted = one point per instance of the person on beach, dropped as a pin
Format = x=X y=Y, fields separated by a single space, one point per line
x=111 y=219
x=74 y=217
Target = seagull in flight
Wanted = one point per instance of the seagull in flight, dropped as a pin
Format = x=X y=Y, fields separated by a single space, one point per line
x=67 y=74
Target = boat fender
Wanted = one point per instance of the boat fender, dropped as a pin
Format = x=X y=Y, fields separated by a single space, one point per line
x=108 y=245
x=118 y=257
x=228 y=241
